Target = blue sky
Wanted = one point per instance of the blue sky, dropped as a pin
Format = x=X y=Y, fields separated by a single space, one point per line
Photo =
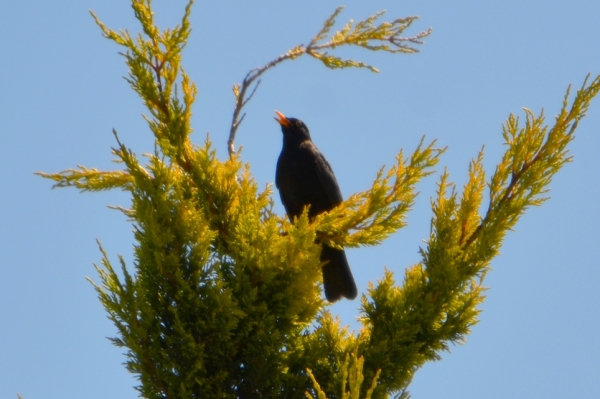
x=61 y=93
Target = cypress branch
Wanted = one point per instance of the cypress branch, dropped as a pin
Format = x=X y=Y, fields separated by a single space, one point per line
x=222 y=299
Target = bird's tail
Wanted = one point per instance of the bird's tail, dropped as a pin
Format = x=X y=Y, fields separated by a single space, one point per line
x=337 y=276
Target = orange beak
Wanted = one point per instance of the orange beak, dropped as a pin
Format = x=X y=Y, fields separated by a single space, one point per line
x=282 y=120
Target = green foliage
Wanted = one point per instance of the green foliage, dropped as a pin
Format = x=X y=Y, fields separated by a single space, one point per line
x=223 y=299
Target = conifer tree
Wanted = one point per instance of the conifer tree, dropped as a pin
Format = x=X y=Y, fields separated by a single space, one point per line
x=223 y=297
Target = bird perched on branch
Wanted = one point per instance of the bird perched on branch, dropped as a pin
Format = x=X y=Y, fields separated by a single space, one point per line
x=304 y=177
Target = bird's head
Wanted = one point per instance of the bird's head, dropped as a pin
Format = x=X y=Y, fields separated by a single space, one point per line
x=294 y=130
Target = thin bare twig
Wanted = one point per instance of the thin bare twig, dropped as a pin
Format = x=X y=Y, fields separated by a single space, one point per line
x=241 y=99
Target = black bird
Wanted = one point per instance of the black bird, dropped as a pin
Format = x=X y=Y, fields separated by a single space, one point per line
x=304 y=177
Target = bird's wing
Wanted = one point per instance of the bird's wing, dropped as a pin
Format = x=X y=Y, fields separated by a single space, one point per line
x=328 y=180
x=293 y=207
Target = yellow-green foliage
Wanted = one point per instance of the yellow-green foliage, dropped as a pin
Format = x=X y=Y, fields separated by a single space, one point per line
x=385 y=37
x=223 y=299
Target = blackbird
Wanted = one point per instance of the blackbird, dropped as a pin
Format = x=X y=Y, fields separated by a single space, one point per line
x=304 y=177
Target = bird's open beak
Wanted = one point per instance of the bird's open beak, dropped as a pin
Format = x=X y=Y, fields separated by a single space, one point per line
x=282 y=120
